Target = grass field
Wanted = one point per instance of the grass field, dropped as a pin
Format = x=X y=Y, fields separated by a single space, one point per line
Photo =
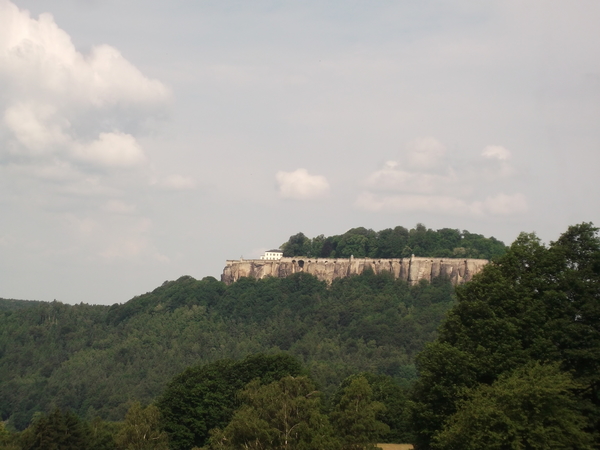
x=395 y=446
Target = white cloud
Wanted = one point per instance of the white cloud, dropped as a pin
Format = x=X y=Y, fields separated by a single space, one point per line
x=429 y=185
x=129 y=248
x=39 y=60
x=300 y=185
x=59 y=103
x=44 y=179
x=35 y=127
x=497 y=162
x=112 y=150
x=118 y=207
x=132 y=243
x=70 y=122
x=85 y=227
x=499 y=205
x=120 y=236
x=177 y=182
x=52 y=171
x=502 y=204
x=425 y=153
x=407 y=202
x=389 y=178
x=496 y=152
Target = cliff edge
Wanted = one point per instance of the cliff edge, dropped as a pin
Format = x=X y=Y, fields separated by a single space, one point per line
x=409 y=269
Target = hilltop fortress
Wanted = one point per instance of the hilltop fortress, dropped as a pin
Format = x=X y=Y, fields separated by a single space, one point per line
x=411 y=269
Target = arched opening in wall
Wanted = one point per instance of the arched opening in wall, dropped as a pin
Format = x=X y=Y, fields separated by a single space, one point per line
x=300 y=263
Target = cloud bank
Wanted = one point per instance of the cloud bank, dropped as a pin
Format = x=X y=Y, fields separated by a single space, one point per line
x=59 y=106
x=70 y=125
x=424 y=181
x=300 y=185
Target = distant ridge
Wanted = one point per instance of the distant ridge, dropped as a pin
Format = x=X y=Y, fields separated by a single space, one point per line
x=10 y=304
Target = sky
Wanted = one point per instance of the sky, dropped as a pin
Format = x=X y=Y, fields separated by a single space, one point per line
x=145 y=140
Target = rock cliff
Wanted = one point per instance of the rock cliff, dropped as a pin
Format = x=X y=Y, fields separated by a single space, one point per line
x=410 y=269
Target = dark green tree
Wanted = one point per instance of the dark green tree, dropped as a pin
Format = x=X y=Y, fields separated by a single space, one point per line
x=203 y=398
x=282 y=415
x=394 y=397
x=530 y=408
x=297 y=245
x=535 y=303
x=55 y=431
x=355 y=416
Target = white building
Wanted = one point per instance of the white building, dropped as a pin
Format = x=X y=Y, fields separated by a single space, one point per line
x=272 y=254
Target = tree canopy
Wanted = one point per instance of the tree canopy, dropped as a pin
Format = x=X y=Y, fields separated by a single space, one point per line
x=531 y=407
x=398 y=242
x=355 y=416
x=535 y=303
x=284 y=414
x=204 y=397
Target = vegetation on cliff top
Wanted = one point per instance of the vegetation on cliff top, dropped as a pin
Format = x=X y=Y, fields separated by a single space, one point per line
x=395 y=243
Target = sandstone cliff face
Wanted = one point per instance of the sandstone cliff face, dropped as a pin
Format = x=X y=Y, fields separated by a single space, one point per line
x=409 y=269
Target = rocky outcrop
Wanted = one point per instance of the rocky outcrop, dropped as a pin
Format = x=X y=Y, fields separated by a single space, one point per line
x=409 y=269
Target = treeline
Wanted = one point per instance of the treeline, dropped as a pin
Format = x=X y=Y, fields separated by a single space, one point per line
x=261 y=402
x=395 y=243
x=272 y=402
x=94 y=360
x=9 y=304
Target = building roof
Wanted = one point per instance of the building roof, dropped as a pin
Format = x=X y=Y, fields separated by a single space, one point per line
x=274 y=251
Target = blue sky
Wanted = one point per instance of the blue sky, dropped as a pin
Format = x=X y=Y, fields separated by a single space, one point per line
x=148 y=140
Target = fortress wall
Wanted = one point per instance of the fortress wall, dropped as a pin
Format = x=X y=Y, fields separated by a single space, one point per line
x=411 y=269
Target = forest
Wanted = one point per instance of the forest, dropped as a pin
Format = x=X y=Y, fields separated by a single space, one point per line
x=95 y=360
x=509 y=360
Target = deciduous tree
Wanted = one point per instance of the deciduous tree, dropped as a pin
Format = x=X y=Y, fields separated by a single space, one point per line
x=203 y=398
x=536 y=303
x=142 y=430
x=355 y=416
x=283 y=415
x=530 y=408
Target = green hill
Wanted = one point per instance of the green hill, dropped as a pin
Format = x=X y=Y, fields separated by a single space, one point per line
x=95 y=359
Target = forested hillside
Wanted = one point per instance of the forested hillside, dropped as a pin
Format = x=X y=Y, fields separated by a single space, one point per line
x=515 y=364
x=95 y=360
x=395 y=243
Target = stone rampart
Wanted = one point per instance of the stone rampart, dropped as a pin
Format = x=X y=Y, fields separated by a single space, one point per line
x=409 y=269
